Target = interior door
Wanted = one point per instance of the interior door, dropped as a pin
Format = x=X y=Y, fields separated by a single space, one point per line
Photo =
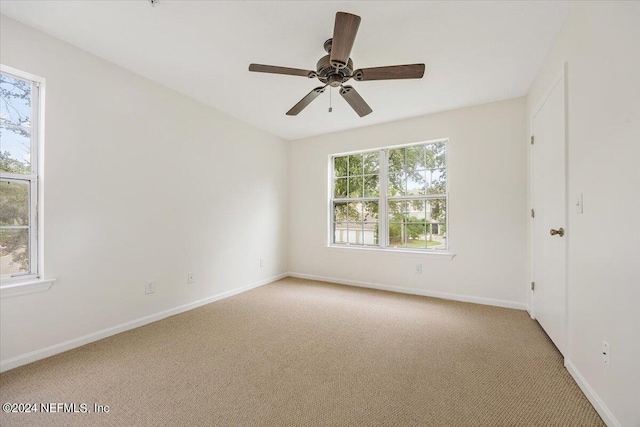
x=549 y=219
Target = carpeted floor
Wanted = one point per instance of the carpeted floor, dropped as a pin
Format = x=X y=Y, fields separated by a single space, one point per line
x=304 y=353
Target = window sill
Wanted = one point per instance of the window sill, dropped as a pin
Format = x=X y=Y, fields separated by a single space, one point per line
x=27 y=287
x=400 y=252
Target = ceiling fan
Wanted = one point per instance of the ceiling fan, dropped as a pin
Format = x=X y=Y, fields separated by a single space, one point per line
x=336 y=68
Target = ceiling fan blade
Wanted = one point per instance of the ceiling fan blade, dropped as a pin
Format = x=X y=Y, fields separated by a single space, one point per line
x=344 y=34
x=302 y=104
x=272 y=69
x=393 y=72
x=355 y=100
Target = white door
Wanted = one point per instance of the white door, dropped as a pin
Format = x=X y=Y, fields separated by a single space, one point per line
x=549 y=220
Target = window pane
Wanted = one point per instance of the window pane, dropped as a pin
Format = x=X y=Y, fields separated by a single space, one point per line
x=436 y=155
x=14 y=251
x=371 y=163
x=397 y=185
x=355 y=164
x=15 y=150
x=436 y=236
x=340 y=212
x=416 y=235
x=437 y=210
x=397 y=211
x=340 y=188
x=370 y=218
x=416 y=211
x=340 y=231
x=396 y=160
x=436 y=232
x=355 y=233
x=370 y=212
x=340 y=166
x=355 y=186
x=412 y=222
x=416 y=224
x=354 y=212
x=14 y=203
x=416 y=183
x=436 y=181
x=15 y=101
x=396 y=235
x=415 y=158
x=371 y=188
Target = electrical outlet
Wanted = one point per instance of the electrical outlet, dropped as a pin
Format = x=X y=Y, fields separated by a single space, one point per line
x=418 y=269
x=261 y=262
x=606 y=354
x=190 y=278
x=150 y=287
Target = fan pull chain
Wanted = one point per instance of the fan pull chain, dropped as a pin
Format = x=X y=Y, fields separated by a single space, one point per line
x=330 y=108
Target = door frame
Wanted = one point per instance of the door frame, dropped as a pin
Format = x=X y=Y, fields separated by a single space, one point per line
x=562 y=77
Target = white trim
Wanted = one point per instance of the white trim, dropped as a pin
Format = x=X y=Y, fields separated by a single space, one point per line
x=383 y=211
x=602 y=409
x=530 y=311
x=567 y=207
x=32 y=356
x=22 y=74
x=412 y=291
x=383 y=198
x=419 y=253
x=25 y=287
x=36 y=204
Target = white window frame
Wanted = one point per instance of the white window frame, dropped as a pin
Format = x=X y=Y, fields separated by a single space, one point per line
x=383 y=201
x=33 y=281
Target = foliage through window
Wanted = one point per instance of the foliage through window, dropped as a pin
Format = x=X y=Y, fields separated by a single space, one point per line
x=18 y=177
x=391 y=198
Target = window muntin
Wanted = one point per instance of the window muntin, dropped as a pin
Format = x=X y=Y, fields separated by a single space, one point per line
x=19 y=110
x=413 y=198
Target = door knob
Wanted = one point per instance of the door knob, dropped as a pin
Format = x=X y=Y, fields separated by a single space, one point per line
x=559 y=232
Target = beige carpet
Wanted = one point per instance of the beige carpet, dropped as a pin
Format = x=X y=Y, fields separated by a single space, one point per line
x=303 y=353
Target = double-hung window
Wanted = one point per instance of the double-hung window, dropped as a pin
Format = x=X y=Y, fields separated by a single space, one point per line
x=391 y=198
x=19 y=118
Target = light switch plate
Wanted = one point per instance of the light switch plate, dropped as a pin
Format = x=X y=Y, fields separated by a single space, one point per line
x=579 y=204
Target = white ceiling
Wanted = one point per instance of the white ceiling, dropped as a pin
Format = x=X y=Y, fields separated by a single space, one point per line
x=475 y=52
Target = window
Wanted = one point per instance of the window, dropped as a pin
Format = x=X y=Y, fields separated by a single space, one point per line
x=19 y=114
x=393 y=198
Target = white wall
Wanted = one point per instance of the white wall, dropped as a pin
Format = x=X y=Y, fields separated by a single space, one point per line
x=487 y=205
x=141 y=183
x=600 y=42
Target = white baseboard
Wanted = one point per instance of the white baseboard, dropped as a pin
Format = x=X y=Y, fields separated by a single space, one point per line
x=604 y=412
x=530 y=311
x=30 y=357
x=413 y=291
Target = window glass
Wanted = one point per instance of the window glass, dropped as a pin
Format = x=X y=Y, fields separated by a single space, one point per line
x=18 y=181
x=415 y=200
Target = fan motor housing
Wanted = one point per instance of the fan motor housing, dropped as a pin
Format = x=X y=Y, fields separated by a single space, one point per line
x=328 y=74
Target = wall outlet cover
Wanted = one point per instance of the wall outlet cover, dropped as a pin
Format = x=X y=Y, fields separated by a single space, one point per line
x=150 y=287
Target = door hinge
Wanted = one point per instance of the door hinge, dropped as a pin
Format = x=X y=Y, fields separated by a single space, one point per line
x=532 y=139
x=533 y=213
x=533 y=286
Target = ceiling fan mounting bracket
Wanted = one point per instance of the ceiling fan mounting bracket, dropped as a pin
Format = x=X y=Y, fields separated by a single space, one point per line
x=327 y=45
